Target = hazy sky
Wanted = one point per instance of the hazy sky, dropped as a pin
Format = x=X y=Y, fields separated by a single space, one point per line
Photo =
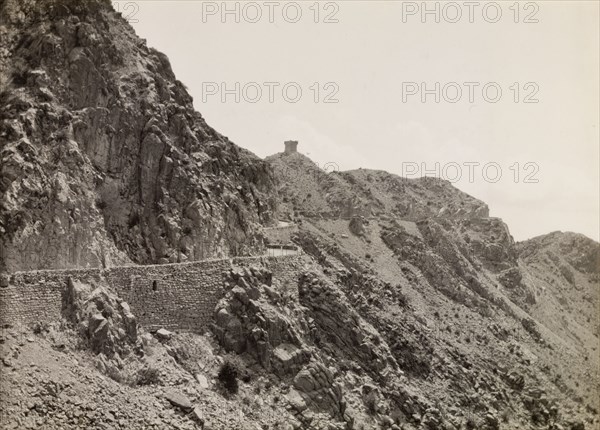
x=376 y=60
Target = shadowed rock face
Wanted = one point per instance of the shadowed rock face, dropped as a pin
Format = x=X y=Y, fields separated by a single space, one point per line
x=104 y=159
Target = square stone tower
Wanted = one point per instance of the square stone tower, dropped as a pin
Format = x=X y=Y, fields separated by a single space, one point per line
x=291 y=146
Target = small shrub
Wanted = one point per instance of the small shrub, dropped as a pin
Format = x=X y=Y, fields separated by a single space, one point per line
x=530 y=298
x=147 y=375
x=402 y=299
x=100 y=204
x=371 y=403
x=134 y=219
x=228 y=376
x=531 y=327
x=471 y=422
x=40 y=327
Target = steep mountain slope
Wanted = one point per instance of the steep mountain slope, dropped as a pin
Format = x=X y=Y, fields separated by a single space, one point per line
x=308 y=190
x=481 y=326
x=104 y=159
x=563 y=272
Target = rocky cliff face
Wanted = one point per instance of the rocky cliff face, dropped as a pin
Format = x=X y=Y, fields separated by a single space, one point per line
x=104 y=159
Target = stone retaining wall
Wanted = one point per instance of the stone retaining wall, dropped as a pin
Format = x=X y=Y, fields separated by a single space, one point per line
x=175 y=296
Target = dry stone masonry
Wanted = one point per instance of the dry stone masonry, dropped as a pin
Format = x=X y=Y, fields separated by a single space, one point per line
x=174 y=296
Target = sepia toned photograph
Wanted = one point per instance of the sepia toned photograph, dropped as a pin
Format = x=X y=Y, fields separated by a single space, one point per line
x=299 y=215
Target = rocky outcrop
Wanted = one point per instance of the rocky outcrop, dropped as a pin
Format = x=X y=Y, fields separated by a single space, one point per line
x=103 y=320
x=357 y=225
x=337 y=323
x=510 y=278
x=443 y=262
x=247 y=321
x=179 y=400
x=316 y=385
x=578 y=251
x=104 y=159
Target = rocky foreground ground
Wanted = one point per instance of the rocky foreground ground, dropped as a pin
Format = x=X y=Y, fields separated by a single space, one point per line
x=341 y=348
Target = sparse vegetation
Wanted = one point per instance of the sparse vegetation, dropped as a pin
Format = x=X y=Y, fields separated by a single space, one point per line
x=371 y=403
x=147 y=375
x=40 y=327
x=228 y=376
x=100 y=204
x=401 y=298
x=471 y=422
x=531 y=327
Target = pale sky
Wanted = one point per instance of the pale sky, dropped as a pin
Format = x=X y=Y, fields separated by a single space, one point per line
x=371 y=56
